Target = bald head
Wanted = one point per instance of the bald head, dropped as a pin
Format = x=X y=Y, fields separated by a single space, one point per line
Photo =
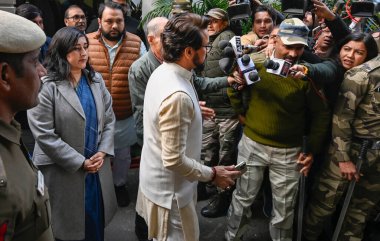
x=154 y=29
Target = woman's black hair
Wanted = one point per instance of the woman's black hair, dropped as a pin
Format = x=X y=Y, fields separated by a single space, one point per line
x=367 y=39
x=62 y=43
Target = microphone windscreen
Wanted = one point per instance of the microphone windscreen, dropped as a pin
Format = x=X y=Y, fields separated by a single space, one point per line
x=223 y=43
x=245 y=59
x=253 y=76
x=226 y=65
x=229 y=52
x=270 y=64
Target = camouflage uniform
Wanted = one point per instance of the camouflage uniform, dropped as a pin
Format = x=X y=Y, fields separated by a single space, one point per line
x=356 y=116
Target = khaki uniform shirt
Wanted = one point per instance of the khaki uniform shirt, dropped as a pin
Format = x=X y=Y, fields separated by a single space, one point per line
x=24 y=212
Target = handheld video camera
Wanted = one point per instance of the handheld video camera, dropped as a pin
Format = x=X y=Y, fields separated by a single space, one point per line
x=296 y=7
x=278 y=66
x=365 y=8
x=233 y=56
x=239 y=11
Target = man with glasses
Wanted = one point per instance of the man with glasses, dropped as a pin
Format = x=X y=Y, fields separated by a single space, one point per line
x=75 y=17
x=219 y=139
x=170 y=162
x=138 y=77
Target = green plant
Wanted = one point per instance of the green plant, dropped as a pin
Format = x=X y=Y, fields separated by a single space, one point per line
x=163 y=8
x=202 y=7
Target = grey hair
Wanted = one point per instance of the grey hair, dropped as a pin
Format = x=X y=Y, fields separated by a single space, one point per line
x=154 y=27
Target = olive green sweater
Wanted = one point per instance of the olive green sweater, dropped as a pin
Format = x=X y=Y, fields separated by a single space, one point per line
x=281 y=110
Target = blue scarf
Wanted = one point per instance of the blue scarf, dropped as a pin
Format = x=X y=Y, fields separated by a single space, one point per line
x=94 y=201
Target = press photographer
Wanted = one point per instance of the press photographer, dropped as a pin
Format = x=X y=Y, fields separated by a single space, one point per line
x=265 y=16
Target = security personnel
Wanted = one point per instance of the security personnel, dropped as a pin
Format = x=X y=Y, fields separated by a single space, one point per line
x=356 y=118
x=24 y=201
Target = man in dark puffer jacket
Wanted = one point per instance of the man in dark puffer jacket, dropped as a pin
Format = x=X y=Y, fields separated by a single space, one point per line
x=220 y=134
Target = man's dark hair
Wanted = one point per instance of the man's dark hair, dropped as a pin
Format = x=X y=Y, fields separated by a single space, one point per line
x=69 y=8
x=265 y=8
x=28 y=11
x=15 y=61
x=62 y=43
x=112 y=5
x=367 y=39
x=182 y=31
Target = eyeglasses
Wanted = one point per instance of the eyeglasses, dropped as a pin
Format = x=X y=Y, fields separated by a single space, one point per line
x=208 y=47
x=76 y=18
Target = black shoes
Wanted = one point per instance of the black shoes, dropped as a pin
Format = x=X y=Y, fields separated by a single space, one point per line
x=218 y=206
x=122 y=196
x=141 y=229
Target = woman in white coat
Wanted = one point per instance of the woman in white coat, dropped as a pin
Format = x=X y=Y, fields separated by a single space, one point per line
x=73 y=127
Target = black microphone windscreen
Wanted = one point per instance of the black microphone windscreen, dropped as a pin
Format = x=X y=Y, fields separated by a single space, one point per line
x=245 y=59
x=226 y=65
x=229 y=52
x=253 y=76
x=223 y=43
x=270 y=64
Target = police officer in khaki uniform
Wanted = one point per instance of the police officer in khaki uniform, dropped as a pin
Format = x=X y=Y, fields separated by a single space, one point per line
x=24 y=201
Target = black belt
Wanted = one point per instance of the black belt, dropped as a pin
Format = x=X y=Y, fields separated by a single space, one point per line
x=374 y=144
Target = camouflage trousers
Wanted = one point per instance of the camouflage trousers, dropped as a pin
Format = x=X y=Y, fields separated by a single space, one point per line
x=219 y=141
x=328 y=192
x=283 y=176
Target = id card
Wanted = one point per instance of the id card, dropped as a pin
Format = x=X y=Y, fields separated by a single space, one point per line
x=40 y=183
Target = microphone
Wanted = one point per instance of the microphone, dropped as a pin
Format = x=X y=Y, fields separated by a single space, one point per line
x=229 y=52
x=277 y=66
x=270 y=64
x=250 y=48
x=223 y=44
x=233 y=53
x=237 y=46
x=227 y=65
x=247 y=69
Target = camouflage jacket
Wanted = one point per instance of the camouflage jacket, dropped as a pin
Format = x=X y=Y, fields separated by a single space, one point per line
x=357 y=110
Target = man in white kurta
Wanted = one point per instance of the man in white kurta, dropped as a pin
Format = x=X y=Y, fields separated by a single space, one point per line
x=170 y=166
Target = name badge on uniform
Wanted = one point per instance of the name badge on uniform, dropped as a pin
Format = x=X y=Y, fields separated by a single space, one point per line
x=40 y=183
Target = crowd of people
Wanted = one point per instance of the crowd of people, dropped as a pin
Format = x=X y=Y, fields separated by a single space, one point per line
x=92 y=91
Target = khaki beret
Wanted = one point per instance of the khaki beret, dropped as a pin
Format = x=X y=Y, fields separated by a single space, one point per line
x=18 y=34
